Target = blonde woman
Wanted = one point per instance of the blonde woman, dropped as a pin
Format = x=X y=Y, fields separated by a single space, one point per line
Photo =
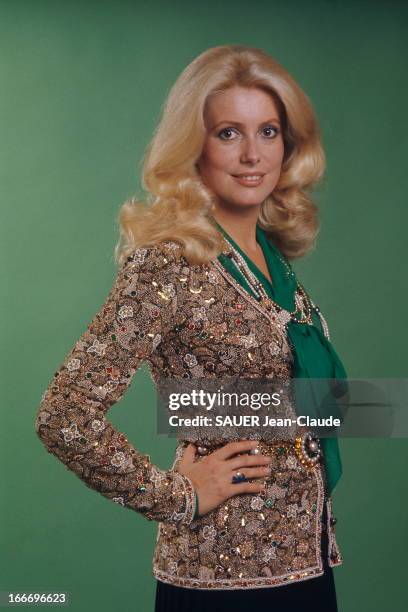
x=205 y=289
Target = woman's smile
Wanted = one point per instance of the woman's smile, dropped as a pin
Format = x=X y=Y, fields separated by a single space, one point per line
x=249 y=180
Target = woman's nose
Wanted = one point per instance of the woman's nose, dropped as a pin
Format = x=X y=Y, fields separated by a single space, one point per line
x=250 y=151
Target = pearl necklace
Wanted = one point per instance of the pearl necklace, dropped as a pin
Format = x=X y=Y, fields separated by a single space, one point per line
x=303 y=304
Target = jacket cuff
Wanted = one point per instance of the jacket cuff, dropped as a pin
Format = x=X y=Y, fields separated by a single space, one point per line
x=186 y=514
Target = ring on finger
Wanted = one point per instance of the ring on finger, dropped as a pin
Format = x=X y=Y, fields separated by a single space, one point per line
x=238 y=477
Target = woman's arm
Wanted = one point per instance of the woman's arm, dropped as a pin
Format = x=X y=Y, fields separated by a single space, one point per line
x=71 y=421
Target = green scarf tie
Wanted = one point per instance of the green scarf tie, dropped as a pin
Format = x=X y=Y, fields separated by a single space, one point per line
x=314 y=356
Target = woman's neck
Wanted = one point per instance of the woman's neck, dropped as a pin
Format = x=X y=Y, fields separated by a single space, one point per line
x=241 y=227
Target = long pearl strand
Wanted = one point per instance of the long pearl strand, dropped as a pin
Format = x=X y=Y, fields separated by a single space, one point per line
x=303 y=304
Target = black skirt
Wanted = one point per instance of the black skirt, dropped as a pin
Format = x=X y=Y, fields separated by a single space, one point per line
x=311 y=595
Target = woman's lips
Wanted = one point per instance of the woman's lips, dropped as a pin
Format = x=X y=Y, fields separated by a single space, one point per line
x=249 y=181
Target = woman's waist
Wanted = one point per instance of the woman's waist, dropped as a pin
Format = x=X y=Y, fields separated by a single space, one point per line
x=302 y=451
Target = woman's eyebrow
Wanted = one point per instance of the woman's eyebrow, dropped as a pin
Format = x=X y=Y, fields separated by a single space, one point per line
x=237 y=123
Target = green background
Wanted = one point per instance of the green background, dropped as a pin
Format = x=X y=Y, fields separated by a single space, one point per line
x=82 y=84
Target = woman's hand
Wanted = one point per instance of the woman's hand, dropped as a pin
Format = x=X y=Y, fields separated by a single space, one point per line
x=212 y=474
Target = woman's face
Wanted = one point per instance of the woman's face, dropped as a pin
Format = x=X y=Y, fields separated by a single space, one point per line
x=243 y=139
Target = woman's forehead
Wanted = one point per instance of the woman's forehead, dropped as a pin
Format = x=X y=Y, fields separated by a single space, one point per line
x=239 y=104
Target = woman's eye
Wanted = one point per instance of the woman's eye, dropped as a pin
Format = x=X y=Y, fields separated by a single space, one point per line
x=275 y=130
x=226 y=131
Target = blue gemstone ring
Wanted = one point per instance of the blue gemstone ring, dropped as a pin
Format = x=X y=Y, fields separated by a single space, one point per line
x=238 y=477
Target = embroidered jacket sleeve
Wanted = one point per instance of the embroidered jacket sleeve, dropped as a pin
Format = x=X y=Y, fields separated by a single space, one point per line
x=72 y=417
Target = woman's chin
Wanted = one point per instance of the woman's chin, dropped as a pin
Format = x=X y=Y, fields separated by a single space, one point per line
x=245 y=202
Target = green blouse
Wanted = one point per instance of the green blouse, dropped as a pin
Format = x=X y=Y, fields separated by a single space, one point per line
x=314 y=355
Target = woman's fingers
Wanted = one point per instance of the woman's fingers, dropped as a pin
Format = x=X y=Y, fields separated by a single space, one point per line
x=227 y=451
x=248 y=460
x=255 y=472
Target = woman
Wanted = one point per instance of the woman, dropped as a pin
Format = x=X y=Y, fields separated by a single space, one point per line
x=205 y=290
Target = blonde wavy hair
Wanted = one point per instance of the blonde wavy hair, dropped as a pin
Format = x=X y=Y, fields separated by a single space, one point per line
x=179 y=206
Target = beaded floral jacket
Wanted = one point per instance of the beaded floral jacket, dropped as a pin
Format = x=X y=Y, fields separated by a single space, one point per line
x=192 y=321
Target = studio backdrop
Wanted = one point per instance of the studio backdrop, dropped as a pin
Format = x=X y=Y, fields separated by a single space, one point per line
x=82 y=86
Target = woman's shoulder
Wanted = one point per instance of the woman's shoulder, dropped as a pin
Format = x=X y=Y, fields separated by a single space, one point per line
x=153 y=255
x=167 y=254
